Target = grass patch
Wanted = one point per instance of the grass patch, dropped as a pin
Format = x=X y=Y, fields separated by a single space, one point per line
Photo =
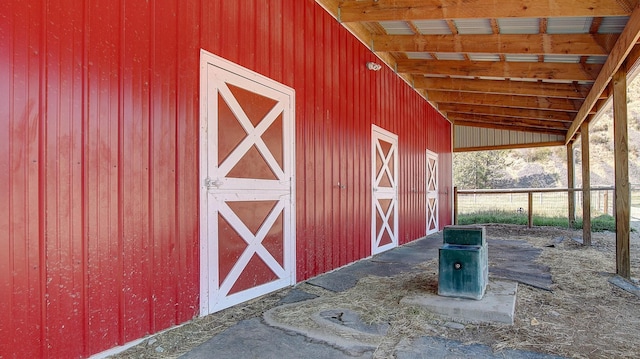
x=598 y=224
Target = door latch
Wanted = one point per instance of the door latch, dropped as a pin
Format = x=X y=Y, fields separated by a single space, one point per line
x=209 y=183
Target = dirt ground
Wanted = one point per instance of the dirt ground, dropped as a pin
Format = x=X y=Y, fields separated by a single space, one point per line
x=584 y=316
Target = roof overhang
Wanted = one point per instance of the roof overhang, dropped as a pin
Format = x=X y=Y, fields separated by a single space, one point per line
x=527 y=73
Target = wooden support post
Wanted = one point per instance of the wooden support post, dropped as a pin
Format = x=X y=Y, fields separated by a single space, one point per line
x=571 y=195
x=455 y=205
x=621 y=156
x=530 y=212
x=586 y=185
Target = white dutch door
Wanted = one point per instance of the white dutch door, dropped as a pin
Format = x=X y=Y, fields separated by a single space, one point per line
x=384 y=232
x=247 y=179
x=432 y=192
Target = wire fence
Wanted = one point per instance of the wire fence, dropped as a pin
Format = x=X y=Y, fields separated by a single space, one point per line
x=551 y=203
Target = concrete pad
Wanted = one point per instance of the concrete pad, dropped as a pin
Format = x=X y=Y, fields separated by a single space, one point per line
x=498 y=304
x=253 y=339
x=347 y=277
x=295 y=296
x=431 y=347
x=350 y=319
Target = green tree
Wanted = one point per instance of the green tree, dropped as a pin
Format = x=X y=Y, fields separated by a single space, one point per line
x=478 y=170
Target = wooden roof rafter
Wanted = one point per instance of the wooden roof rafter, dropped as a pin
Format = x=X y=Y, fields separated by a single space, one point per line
x=537 y=44
x=528 y=65
x=389 y=10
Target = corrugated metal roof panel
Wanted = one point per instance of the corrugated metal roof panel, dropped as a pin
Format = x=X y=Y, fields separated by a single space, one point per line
x=449 y=56
x=484 y=57
x=467 y=137
x=565 y=59
x=473 y=26
x=521 y=58
x=396 y=27
x=432 y=27
x=519 y=26
x=419 y=55
x=613 y=24
x=569 y=25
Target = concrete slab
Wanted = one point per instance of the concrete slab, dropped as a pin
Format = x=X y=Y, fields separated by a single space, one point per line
x=430 y=347
x=497 y=306
x=346 y=277
x=253 y=339
x=295 y=296
x=350 y=319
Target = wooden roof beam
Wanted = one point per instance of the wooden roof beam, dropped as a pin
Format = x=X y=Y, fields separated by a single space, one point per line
x=508 y=112
x=510 y=121
x=573 y=44
x=530 y=70
x=523 y=88
x=510 y=146
x=509 y=127
x=406 y=10
x=626 y=42
x=527 y=102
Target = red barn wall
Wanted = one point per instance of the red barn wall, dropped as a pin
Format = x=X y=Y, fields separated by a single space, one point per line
x=99 y=156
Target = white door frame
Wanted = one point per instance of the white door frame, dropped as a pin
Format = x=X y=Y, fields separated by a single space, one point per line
x=434 y=220
x=216 y=189
x=378 y=133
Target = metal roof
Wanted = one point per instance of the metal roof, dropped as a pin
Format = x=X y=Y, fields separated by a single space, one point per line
x=543 y=68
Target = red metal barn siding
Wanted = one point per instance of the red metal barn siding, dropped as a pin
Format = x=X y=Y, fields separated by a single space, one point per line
x=99 y=130
x=99 y=231
x=337 y=100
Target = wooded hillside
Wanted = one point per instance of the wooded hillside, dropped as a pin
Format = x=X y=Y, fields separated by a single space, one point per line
x=546 y=166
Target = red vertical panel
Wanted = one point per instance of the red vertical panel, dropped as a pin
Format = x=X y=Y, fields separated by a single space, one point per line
x=211 y=31
x=290 y=32
x=230 y=43
x=187 y=160
x=245 y=28
x=304 y=169
x=359 y=140
x=312 y=147
x=368 y=101
x=324 y=129
x=101 y=127
x=63 y=168
x=162 y=161
x=21 y=278
x=277 y=46
x=333 y=131
x=6 y=111
x=345 y=157
x=134 y=157
x=264 y=37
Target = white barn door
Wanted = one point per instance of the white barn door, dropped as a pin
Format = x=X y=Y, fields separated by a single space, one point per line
x=247 y=184
x=384 y=152
x=432 y=192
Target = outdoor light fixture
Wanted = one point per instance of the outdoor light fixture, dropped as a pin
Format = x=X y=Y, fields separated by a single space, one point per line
x=373 y=66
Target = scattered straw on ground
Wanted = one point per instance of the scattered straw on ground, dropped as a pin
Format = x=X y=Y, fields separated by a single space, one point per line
x=583 y=317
